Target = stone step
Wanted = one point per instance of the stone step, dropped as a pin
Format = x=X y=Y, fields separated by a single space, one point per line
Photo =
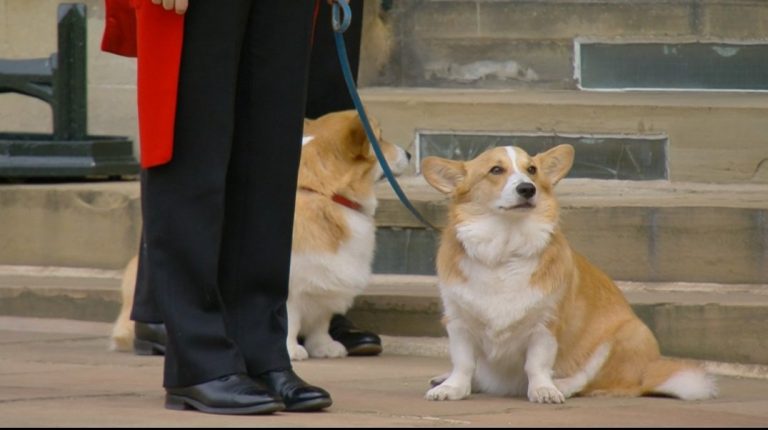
x=79 y=224
x=711 y=137
x=634 y=230
x=718 y=322
x=513 y=43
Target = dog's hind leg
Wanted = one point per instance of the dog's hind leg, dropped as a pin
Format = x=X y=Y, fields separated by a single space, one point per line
x=123 y=329
x=319 y=343
x=575 y=383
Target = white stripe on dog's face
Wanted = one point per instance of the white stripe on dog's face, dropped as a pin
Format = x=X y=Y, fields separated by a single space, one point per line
x=510 y=198
x=306 y=139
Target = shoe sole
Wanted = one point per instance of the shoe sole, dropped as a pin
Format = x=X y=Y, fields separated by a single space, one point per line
x=310 y=405
x=181 y=403
x=145 y=347
x=366 y=349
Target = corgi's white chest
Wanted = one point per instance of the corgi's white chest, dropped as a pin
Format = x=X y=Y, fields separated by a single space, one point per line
x=496 y=240
x=345 y=271
x=496 y=299
x=498 y=303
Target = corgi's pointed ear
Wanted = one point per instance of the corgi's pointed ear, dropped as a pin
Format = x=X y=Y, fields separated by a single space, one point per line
x=556 y=163
x=354 y=138
x=444 y=175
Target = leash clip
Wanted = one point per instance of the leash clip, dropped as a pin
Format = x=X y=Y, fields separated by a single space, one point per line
x=343 y=25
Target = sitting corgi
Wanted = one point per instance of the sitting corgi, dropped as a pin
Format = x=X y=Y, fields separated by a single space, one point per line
x=525 y=314
x=334 y=233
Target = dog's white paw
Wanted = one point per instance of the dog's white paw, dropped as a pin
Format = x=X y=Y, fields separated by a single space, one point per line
x=545 y=394
x=297 y=353
x=448 y=392
x=332 y=349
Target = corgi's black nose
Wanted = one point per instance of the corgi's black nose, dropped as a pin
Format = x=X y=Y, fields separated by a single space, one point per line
x=408 y=155
x=526 y=190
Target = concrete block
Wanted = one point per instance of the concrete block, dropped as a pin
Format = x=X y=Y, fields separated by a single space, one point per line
x=112 y=111
x=3 y=26
x=30 y=28
x=113 y=70
x=26 y=114
x=498 y=63
x=398 y=315
x=424 y=20
x=75 y=225
x=60 y=303
x=710 y=244
x=615 y=239
x=724 y=20
x=568 y=19
x=708 y=331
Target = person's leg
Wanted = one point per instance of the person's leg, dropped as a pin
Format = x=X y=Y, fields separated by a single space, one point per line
x=144 y=307
x=150 y=334
x=261 y=192
x=149 y=329
x=327 y=92
x=184 y=199
x=183 y=222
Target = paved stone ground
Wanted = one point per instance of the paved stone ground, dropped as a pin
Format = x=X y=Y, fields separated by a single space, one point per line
x=58 y=373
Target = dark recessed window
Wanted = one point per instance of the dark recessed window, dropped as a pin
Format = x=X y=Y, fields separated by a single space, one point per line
x=686 y=66
x=599 y=157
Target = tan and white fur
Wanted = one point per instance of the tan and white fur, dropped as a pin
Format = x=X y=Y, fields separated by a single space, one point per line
x=525 y=314
x=333 y=244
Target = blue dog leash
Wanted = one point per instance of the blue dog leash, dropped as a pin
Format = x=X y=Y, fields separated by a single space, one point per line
x=339 y=27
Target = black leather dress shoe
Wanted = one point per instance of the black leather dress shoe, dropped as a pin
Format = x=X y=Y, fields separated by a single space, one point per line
x=233 y=394
x=297 y=395
x=149 y=339
x=357 y=342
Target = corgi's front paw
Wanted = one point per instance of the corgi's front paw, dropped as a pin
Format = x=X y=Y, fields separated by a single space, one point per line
x=331 y=349
x=297 y=352
x=545 y=394
x=448 y=392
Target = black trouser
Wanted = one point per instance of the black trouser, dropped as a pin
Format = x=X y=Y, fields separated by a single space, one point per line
x=327 y=91
x=218 y=218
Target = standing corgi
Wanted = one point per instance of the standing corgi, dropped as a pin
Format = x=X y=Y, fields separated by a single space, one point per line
x=525 y=314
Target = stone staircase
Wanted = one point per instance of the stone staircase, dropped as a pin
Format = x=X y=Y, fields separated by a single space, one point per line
x=682 y=244
x=533 y=43
x=689 y=247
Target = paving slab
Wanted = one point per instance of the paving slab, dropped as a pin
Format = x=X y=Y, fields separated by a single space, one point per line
x=59 y=373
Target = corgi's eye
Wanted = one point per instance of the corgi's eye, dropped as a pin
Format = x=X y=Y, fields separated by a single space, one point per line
x=496 y=170
x=532 y=170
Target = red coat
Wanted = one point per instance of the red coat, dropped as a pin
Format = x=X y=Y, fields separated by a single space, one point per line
x=137 y=28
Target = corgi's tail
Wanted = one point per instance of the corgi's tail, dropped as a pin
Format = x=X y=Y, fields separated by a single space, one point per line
x=686 y=381
x=123 y=331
